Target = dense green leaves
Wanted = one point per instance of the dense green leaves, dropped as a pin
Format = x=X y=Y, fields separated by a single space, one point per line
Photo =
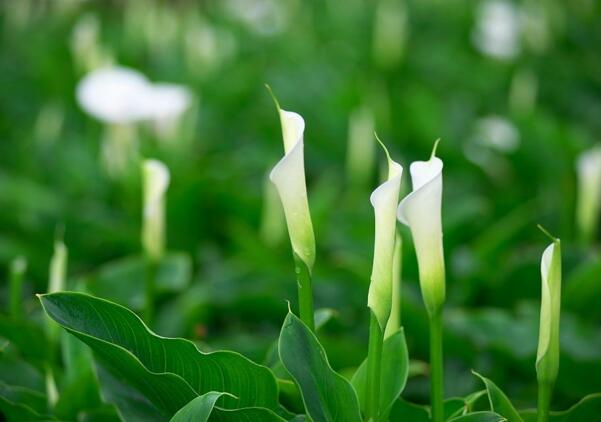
x=327 y=395
x=479 y=417
x=169 y=372
x=395 y=370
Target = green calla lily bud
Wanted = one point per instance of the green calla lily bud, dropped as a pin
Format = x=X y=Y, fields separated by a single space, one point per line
x=588 y=167
x=547 y=357
x=421 y=211
x=288 y=176
x=156 y=181
x=384 y=200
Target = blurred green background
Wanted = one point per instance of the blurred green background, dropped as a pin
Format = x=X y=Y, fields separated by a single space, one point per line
x=513 y=89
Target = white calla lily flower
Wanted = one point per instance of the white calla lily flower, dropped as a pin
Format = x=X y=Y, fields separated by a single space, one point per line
x=547 y=356
x=156 y=181
x=384 y=200
x=288 y=176
x=588 y=206
x=421 y=211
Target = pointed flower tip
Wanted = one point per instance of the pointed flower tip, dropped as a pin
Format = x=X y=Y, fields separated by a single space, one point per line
x=546 y=233
x=273 y=97
x=434 y=148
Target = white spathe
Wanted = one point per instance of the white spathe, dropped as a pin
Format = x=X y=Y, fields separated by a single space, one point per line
x=588 y=167
x=119 y=95
x=421 y=211
x=384 y=199
x=288 y=176
x=156 y=181
x=547 y=356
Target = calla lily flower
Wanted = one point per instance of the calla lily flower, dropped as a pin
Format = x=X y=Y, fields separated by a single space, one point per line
x=384 y=200
x=288 y=176
x=588 y=167
x=421 y=211
x=156 y=181
x=547 y=357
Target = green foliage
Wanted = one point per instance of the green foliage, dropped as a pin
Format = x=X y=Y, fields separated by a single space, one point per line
x=169 y=372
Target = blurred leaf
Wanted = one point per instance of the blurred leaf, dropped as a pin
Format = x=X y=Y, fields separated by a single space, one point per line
x=170 y=372
x=20 y=404
x=28 y=338
x=395 y=370
x=404 y=411
x=326 y=394
x=122 y=281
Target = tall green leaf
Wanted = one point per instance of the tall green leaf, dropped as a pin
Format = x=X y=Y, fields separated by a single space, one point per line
x=395 y=370
x=169 y=372
x=326 y=394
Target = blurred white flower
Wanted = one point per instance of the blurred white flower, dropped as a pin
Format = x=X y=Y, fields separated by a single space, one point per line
x=119 y=95
x=588 y=167
x=497 y=32
x=114 y=95
x=264 y=17
x=497 y=133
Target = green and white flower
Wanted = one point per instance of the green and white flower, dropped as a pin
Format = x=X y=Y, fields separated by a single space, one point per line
x=384 y=199
x=288 y=176
x=547 y=357
x=421 y=211
x=156 y=181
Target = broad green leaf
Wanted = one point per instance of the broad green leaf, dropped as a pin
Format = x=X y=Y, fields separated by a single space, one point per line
x=249 y=414
x=326 y=394
x=122 y=281
x=499 y=402
x=479 y=417
x=587 y=409
x=169 y=372
x=395 y=370
x=18 y=372
x=459 y=406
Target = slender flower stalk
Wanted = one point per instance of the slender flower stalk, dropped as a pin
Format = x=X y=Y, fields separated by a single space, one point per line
x=421 y=211
x=547 y=356
x=156 y=181
x=17 y=272
x=384 y=200
x=288 y=176
x=588 y=206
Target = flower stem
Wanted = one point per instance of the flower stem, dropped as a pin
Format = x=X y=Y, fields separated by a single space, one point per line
x=150 y=289
x=545 y=390
x=374 y=368
x=436 y=367
x=305 y=293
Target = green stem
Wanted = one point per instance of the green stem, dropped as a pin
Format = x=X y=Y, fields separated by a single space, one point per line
x=17 y=272
x=305 y=293
x=374 y=368
x=436 y=367
x=545 y=390
x=150 y=289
